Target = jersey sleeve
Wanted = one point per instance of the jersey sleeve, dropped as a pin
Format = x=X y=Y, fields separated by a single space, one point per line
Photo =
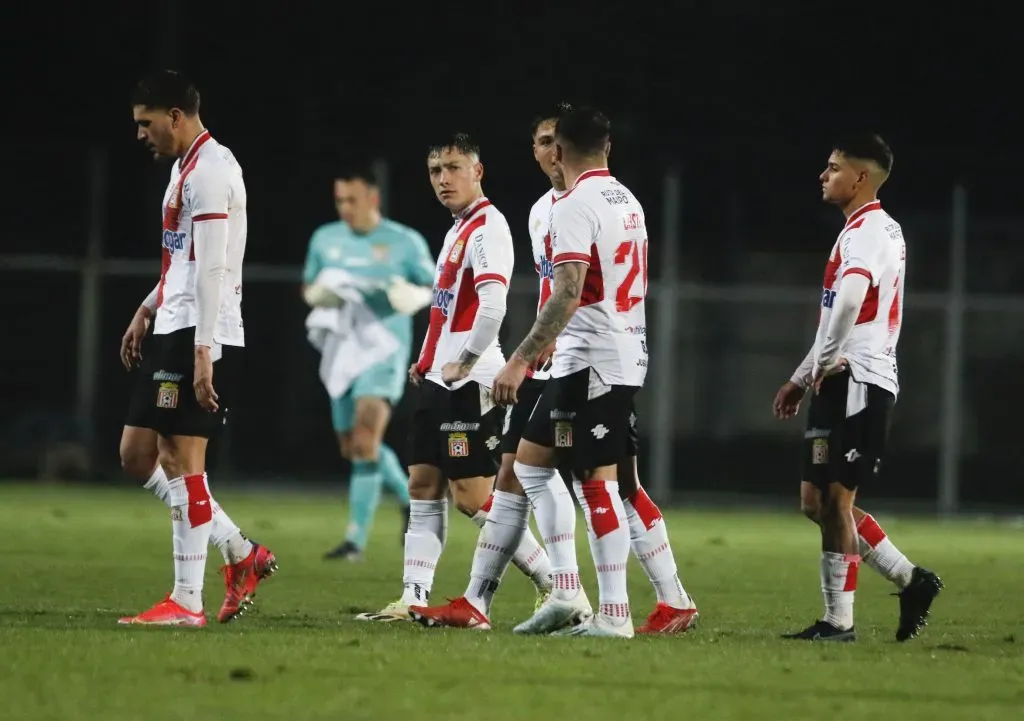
x=573 y=232
x=490 y=253
x=207 y=193
x=419 y=264
x=313 y=264
x=861 y=251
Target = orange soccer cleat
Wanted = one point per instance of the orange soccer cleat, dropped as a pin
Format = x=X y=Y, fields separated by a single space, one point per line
x=241 y=580
x=459 y=613
x=165 y=613
x=667 y=619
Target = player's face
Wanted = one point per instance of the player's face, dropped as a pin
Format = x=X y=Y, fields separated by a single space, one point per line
x=840 y=180
x=544 y=151
x=455 y=178
x=155 y=128
x=355 y=201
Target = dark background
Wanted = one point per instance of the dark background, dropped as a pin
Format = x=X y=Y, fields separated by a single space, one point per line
x=743 y=100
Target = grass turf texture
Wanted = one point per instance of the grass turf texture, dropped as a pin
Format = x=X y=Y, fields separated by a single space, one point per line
x=74 y=559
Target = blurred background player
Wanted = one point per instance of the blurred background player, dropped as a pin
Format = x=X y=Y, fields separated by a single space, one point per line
x=391 y=269
x=198 y=330
x=598 y=250
x=852 y=368
x=509 y=509
x=455 y=424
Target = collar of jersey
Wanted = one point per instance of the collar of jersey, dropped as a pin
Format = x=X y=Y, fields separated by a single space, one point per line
x=469 y=211
x=194 y=148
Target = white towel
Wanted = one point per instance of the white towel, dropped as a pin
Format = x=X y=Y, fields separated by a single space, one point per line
x=350 y=338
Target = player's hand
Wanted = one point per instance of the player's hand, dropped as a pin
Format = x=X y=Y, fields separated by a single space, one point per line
x=545 y=358
x=203 y=383
x=508 y=380
x=787 y=400
x=415 y=377
x=823 y=372
x=131 y=342
x=318 y=296
x=406 y=298
x=453 y=372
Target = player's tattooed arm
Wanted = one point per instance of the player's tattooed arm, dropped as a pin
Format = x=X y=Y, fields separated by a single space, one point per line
x=467 y=359
x=555 y=315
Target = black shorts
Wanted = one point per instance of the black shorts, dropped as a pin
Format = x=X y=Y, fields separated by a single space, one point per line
x=633 y=439
x=451 y=431
x=516 y=416
x=586 y=430
x=847 y=430
x=163 y=398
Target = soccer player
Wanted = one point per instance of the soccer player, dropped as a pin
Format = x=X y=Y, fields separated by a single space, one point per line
x=509 y=512
x=851 y=368
x=596 y=313
x=381 y=251
x=454 y=427
x=198 y=330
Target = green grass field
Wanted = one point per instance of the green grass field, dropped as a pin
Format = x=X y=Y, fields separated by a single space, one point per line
x=75 y=559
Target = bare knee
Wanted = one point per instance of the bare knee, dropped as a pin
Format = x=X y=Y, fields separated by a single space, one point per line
x=365 y=444
x=470 y=494
x=810 y=501
x=138 y=452
x=182 y=455
x=426 y=483
x=836 y=506
x=506 y=480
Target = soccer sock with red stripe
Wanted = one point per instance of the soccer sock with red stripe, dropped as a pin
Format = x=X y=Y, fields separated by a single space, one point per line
x=648 y=538
x=838 y=585
x=880 y=554
x=191 y=522
x=609 y=544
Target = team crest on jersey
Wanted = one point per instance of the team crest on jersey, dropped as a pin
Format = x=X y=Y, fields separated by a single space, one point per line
x=631 y=221
x=563 y=434
x=380 y=252
x=167 y=395
x=456 y=255
x=458 y=445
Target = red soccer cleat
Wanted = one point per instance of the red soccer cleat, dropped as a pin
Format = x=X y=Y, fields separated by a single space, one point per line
x=241 y=579
x=666 y=619
x=165 y=613
x=459 y=613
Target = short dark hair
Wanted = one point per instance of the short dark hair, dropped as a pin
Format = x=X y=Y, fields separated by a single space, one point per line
x=364 y=173
x=459 y=142
x=165 y=90
x=866 y=147
x=553 y=113
x=586 y=130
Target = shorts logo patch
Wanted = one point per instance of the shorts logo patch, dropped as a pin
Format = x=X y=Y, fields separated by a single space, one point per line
x=492 y=443
x=458 y=445
x=563 y=434
x=167 y=395
x=819 y=451
x=599 y=431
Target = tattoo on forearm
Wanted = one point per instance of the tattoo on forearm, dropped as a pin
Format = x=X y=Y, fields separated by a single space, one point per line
x=466 y=358
x=555 y=315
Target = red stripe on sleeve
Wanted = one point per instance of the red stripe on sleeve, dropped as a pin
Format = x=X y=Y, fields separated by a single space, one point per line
x=209 y=216
x=571 y=258
x=490 y=278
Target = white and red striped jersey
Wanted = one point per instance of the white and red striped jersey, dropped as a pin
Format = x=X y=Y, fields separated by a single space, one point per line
x=871 y=244
x=206 y=184
x=477 y=250
x=601 y=223
x=540 y=238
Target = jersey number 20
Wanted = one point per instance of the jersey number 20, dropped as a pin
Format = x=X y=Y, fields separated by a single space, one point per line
x=629 y=253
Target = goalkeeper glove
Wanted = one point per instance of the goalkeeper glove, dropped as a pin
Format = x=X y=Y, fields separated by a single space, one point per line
x=318 y=296
x=407 y=298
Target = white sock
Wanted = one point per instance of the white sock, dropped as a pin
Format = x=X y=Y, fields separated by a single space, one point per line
x=648 y=538
x=504 y=530
x=880 y=554
x=556 y=519
x=158 y=484
x=226 y=536
x=529 y=556
x=838 y=584
x=191 y=521
x=424 y=541
x=609 y=544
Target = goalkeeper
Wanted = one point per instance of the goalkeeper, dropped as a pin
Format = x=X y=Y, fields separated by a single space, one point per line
x=393 y=271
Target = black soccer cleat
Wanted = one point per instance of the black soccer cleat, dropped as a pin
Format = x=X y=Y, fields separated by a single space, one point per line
x=347 y=551
x=823 y=631
x=916 y=601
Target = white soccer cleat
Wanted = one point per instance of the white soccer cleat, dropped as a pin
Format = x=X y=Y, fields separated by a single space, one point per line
x=394 y=611
x=598 y=626
x=557 y=613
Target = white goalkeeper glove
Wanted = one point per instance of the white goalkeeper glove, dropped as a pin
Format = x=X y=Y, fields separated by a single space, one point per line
x=318 y=296
x=407 y=298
